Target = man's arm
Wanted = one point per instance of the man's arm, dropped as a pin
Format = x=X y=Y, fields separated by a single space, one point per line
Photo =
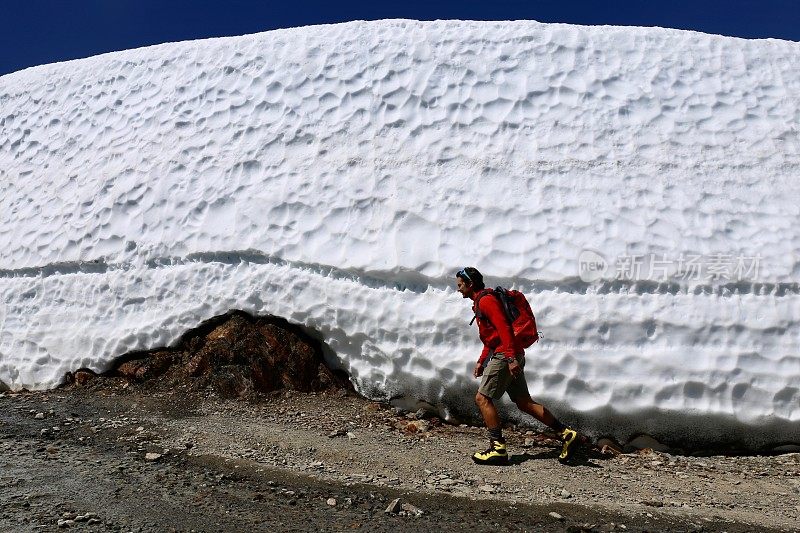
x=479 y=365
x=493 y=311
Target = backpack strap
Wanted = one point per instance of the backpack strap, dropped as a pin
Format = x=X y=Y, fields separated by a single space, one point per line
x=508 y=306
x=502 y=296
x=480 y=295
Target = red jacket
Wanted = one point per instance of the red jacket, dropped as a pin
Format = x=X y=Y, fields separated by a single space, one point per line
x=494 y=328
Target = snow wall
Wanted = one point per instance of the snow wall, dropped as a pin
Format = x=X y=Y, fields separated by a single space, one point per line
x=640 y=185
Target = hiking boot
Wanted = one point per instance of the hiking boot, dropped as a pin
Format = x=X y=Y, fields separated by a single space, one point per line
x=568 y=437
x=495 y=455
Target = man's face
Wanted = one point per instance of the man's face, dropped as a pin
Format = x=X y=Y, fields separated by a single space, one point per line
x=464 y=288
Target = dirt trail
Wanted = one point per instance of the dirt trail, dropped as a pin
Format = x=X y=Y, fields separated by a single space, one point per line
x=303 y=462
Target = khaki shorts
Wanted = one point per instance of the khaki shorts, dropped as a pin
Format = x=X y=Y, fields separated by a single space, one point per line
x=497 y=379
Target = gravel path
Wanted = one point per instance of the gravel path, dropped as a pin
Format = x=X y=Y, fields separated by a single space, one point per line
x=116 y=459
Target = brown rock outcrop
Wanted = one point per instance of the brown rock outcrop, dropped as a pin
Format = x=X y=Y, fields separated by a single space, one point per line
x=83 y=376
x=236 y=354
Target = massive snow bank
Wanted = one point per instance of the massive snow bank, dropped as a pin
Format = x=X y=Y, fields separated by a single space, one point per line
x=339 y=175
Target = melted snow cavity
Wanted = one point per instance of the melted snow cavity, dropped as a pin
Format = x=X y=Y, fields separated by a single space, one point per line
x=339 y=175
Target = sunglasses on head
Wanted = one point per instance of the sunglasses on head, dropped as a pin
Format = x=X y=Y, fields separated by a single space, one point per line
x=463 y=274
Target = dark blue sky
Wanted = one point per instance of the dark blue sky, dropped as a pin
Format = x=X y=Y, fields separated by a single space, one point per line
x=34 y=32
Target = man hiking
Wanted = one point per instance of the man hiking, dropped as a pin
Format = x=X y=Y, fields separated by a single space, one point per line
x=501 y=366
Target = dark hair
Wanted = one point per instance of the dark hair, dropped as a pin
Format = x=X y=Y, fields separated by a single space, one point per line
x=472 y=276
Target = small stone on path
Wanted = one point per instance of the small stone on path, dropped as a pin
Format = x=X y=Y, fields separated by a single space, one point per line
x=331 y=502
x=416 y=511
x=394 y=506
x=556 y=515
x=152 y=456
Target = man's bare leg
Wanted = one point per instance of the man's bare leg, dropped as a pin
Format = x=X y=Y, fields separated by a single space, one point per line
x=543 y=415
x=539 y=412
x=497 y=453
x=488 y=411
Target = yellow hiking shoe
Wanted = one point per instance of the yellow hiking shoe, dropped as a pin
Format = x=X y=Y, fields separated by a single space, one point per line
x=495 y=455
x=568 y=437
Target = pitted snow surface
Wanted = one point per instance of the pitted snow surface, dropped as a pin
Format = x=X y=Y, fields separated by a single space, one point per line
x=339 y=175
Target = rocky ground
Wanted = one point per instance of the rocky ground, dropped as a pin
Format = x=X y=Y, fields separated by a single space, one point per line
x=117 y=457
